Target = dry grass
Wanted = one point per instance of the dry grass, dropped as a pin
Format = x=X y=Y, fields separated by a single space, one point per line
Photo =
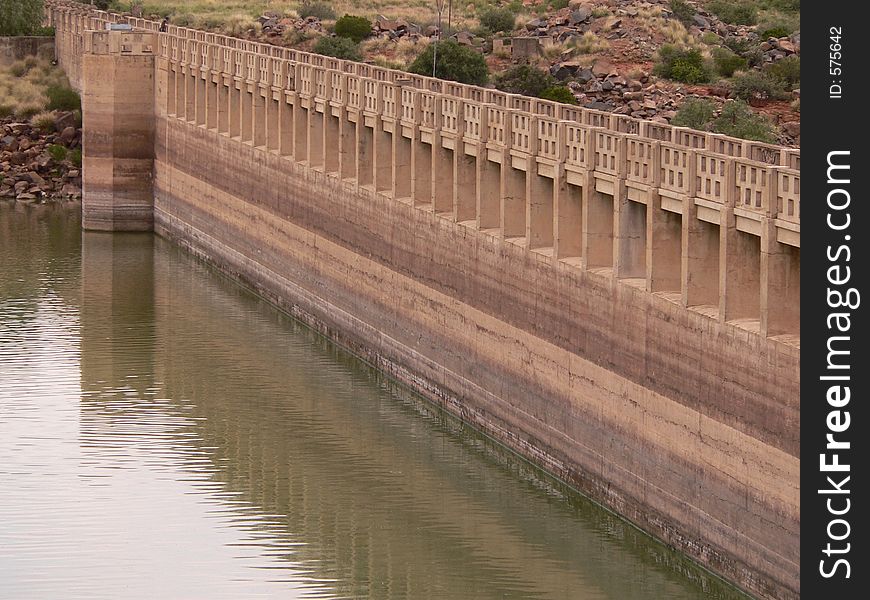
x=23 y=85
x=590 y=43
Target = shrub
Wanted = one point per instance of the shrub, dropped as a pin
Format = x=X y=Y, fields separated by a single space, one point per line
x=735 y=12
x=354 y=28
x=19 y=68
x=6 y=110
x=589 y=43
x=695 y=113
x=738 y=120
x=777 y=31
x=62 y=98
x=687 y=66
x=786 y=70
x=57 y=152
x=727 y=62
x=524 y=79
x=75 y=157
x=43 y=121
x=683 y=11
x=756 y=85
x=321 y=10
x=497 y=19
x=558 y=4
x=709 y=38
x=559 y=93
x=20 y=17
x=453 y=61
x=338 y=47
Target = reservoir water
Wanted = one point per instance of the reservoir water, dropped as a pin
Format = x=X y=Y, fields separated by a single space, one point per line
x=165 y=433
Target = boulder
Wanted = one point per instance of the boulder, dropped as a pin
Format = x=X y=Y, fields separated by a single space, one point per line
x=68 y=135
x=791 y=128
x=581 y=15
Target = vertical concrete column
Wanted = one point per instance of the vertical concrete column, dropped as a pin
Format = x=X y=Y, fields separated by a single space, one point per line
x=739 y=261
x=629 y=232
x=488 y=190
x=169 y=89
x=402 y=160
x=383 y=156
x=246 y=115
x=464 y=183
x=201 y=93
x=664 y=231
x=190 y=95
x=316 y=126
x=780 y=284
x=513 y=200
x=211 y=103
x=300 y=130
x=365 y=154
x=285 y=126
x=442 y=175
x=597 y=218
x=332 y=138
x=161 y=88
x=539 y=208
x=347 y=146
x=258 y=117
x=567 y=217
x=233 y=115
x=119 y=131
x=273 y=127
x=699 y=274
x=421 y=171
x=223 y=106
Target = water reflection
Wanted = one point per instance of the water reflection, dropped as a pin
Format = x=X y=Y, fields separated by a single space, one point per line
x=173 y=436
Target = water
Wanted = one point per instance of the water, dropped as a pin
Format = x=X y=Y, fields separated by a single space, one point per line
x=164 y=433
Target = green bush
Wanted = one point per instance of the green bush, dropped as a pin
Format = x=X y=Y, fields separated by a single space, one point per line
x=524 y=79
x=497 y=19
x=338 y=47
x=678 y=64
x=734 y=12
x=75 y=157
x=62 y=98
x=683 y=11
x=558 y=4
x=354 y=28
x=453 y=61
x=738 y=120
x=6 y=110
x=321 y=10
x=776 y=31
x=695 y=113
x=727 y=62
x=757 y=85
x=57 y=152
x=786 y=70
x=20 y=17
x=559 y=93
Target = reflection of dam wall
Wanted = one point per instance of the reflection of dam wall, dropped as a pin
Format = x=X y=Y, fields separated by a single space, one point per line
x=620 y=308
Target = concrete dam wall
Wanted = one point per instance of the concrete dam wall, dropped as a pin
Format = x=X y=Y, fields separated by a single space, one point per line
x=616 y=300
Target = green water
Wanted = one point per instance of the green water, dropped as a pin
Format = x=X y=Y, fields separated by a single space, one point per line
x=164 y=433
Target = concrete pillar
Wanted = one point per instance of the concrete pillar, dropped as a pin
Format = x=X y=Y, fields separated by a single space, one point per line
x=300 y=131
x=190 y=97
x=663 y=246
x=365 y=154
x=780 y=284
x=211 y=103
x=245 y=115
x=442 y=176
x=170 y=91
x=223 y=107
x=629 y=222
x=332 y=139
x=567 y=218
x=200 y=90
x=488 y=191
x=347 y=146
x=464 y=184
x=285 y=126
x=513 y=201
x=739 y=270
x=315 y=137
x=597 y=240
x=273 y=127
x=383 y=157
x=699 y=275
x=401 y=162
x=233 y=117
x=119 y=130
x=539 y=208
x=421 y=172
x=258 y=118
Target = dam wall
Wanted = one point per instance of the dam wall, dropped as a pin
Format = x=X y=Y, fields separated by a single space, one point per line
x=616 y=300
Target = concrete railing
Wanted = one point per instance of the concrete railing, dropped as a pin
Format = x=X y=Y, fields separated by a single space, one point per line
x=327 y=78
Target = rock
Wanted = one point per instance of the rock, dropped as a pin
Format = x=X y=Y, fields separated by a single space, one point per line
x=7 y=141
x=634 y=85
x=73 y=173
x=633 y=96
x=599 y=106
x=35 y=178
x=70 y=190
x=580 y=15
x=616 y=24
x=787 y=46
x=68 y=135
x=649 y=103
x=765 y=46
x=17 y=158
x=602 y=68
x=25 y=197
x=385 y=24
x=21 y=186
x=535 y=24
x=791 y=128
x=700 y=22
x=607 y=85
x=594 y=86
x=585 y=75
x=24 y=144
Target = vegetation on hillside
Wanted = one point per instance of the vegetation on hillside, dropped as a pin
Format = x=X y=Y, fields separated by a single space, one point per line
x=20 y=17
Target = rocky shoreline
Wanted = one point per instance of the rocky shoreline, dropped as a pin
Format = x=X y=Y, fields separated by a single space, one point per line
x=41 y=164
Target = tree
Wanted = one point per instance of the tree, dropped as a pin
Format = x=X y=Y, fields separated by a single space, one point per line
x=338 y=47
x=20 y=17
x=353 y=27
x=524 y=79
x=455 y=62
